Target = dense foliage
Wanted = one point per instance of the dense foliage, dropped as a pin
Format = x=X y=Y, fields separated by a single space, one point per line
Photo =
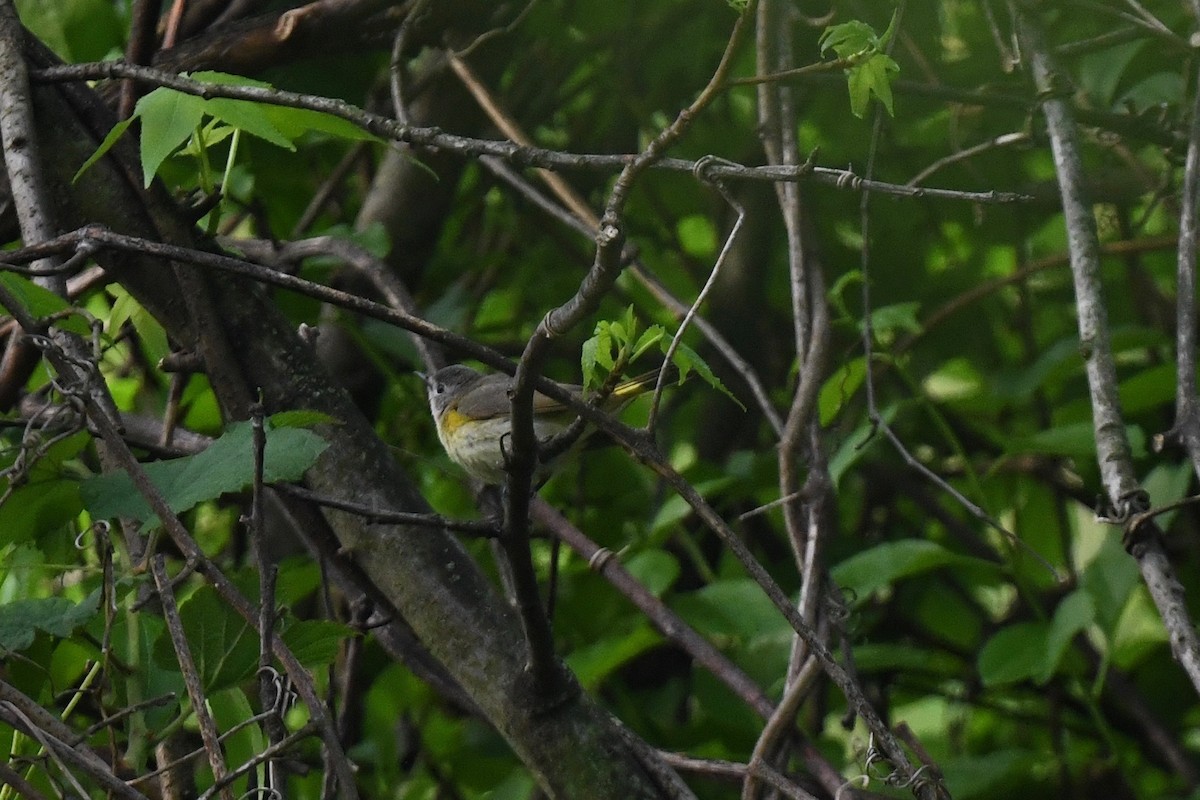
x=918 y=519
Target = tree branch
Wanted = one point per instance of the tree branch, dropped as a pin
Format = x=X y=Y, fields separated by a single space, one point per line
x=1112 y=446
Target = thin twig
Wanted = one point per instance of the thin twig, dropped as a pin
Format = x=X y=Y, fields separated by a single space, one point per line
x=187 y=666
x=435 y=138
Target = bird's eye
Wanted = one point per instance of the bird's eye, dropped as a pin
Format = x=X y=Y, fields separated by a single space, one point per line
x=440 y=388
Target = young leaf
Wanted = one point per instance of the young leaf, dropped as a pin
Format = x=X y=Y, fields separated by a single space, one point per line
x=117 y=132
x=688 y=360
x=587 y=362
x=870 y=68
x=650 y=337
x=169 y=118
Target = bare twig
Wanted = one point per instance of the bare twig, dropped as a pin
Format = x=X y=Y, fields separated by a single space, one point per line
x=531 y=156
x=187 y=666
x=58 y=735
x=733 y=771
x=606 y=564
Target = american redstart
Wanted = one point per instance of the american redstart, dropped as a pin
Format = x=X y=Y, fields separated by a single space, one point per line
x=473 y=412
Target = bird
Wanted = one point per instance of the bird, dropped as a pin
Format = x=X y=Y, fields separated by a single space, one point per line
x=473 y=414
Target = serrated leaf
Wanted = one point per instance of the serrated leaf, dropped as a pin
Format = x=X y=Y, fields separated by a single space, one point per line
x=848 y=38
x=315 y=642
x=223 y=645
x=587 y=362
x=227 y=465
x=650 y=337
x=20 y=620
x=687 y=360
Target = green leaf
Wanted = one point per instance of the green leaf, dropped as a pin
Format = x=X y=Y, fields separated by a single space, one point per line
x=37 y=509
x=870 y=67
x=295 y=122
x=737 y=608
x=675 y=509
x=847 y=39
x=840 y=387
x=999 y=773
x=227 y=465
x=588 y=360
x=872 y=76
x=116 y=133
x=884 y=564
x=697 y=236
x=688 y=361
x=657 y=570
x=169 y=118
x=36 y=300
x=223 y=645
x=315 y=642
x=1074 y=614
x=150 y=332
x=77 y=30
x=240 y=742
x=892 y=658
x=20 y=620
x=1138 y=632
x=1073 y=439
x=1108 y=579
x=249 y=117
x=1033 y=650
x=650 y=337
x=1015 y=653
x=592 y=664
x=1149 y=389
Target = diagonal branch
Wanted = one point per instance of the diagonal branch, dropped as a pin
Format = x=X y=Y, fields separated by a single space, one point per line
x=1112 y=446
